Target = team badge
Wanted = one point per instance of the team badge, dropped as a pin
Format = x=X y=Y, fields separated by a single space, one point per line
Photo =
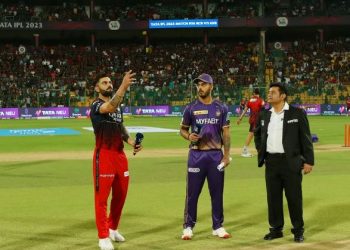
x=200 y=112
x=218 y=113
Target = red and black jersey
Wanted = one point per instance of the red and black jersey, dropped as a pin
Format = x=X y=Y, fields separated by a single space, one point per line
x=108 y=128
x=255 y=105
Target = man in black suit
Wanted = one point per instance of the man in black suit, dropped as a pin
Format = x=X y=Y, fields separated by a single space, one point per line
x=283 y=141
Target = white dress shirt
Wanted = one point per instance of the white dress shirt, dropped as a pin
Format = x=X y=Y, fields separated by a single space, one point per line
x=275 y=131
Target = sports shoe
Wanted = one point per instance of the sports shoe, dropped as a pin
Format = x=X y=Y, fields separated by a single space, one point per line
x=187 y=233
x=105 y=244
x=221 y=232
x=245 y=152
x=116 y=236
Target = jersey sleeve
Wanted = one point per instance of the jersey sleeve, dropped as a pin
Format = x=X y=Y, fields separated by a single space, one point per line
x=225 y=117
x=186 y=117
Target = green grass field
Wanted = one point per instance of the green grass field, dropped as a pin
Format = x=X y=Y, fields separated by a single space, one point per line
x=48 y=203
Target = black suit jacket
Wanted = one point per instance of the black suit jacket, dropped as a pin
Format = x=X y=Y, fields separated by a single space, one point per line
x=296 y=139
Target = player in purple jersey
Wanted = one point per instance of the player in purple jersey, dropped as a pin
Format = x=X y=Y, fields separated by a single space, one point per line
x=210 y=130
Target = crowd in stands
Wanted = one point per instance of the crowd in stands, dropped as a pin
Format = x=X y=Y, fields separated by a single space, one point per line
x=313 y=67
x=53 y=75
x=143 y=10
x=163 y=71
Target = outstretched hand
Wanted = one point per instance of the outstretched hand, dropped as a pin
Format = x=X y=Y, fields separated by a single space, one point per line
x=128 y=79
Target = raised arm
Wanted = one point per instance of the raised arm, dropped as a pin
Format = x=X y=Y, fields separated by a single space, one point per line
x=115 y=101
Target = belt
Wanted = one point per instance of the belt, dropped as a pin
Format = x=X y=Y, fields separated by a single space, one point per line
x=280 y=155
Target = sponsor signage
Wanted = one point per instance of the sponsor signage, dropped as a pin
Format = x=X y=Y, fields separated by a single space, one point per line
x=177 y=110
x=311 y=109
x=44 y=112
x=38 y=131
x=183 y=23
x=151 y=110
x=282 y=21
x=79 y=111
x=9 y=113
x=126 y=110
x=333 y=109
x=21 y=25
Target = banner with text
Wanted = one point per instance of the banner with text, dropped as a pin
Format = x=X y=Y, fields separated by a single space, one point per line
x=62 y=112
x=151 y=110
x=333 y=109
x=9 y=113
x=311 y=109
x=79 y=112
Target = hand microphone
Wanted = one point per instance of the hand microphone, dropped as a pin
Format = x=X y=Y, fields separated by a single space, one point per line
x=197 y=130
x=138 y=140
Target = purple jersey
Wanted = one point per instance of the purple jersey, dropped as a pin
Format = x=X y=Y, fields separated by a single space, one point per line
x=207 y=120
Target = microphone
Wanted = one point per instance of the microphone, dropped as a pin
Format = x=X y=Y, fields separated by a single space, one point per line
x=138 y=140
x=197 y=130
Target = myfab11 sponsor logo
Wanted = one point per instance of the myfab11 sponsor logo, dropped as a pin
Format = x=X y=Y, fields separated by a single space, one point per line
x=203 y=121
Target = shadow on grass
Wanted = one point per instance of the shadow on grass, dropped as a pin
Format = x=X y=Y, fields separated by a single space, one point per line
x=58 y=236
x=328 y=216
x=14 y=166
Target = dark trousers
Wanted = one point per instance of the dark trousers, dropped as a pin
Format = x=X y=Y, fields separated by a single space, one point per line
x=279 y=176
x=203 y=165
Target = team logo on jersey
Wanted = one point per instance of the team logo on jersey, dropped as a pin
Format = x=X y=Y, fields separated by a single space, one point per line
x=200 y=112
x=126 y=173
x=218 y=113
x=207 y=121
x=116 y=116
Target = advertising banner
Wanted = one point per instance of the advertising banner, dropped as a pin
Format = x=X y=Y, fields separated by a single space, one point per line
x=151 y=110
x=79 y=112
x=9 y=113
x=44 y=112
x=177 y=110
x=126 y=110
x=311 y=109
x=183 y=23
x=333 y=109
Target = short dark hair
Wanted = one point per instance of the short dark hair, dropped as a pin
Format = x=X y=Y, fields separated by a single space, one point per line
x=281 y=87
x=257 y=91
x=99 y=76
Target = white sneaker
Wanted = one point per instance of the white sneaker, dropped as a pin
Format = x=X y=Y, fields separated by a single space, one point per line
x=105 y=244
x=187 y=233
x=221 y=232
x=246 y=153
x=116 y=236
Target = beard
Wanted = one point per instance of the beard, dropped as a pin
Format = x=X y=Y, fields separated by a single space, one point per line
x=107 y=93
x=204 y=94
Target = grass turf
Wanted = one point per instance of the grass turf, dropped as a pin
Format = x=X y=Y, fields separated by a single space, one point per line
x=49 y=204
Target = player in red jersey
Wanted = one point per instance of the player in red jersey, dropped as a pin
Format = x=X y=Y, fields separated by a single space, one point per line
x=255 y=104
x=110 y=165
x=347 y=106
